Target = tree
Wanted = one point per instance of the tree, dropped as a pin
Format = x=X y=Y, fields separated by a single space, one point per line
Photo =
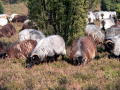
x=64 y=17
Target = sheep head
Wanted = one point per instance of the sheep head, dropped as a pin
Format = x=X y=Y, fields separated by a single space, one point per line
x=109 y=45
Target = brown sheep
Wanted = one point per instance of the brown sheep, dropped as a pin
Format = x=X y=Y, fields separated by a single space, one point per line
x=20 y=49
x=83 y=50
x=19 y=18
x=7 y=31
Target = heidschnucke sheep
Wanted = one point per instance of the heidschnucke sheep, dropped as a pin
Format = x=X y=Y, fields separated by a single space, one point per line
x=83 y=49
x=49 y=47
x=28 y=24
x=18 y=18
x=4 y=19
x=7 y=31
x=20 y=49
x=32 y=34
x=111 y=34
x=112 y=44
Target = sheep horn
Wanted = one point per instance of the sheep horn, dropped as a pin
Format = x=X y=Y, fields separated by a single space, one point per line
x=108 y=41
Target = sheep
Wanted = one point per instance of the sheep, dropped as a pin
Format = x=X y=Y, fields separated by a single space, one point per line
x=107 y=23
x=92 y=29
x=18 y=18
x=49 y=47
x=110 y=36
x=83 y=49
x=28 y=24
x=105 y=14
x=31 y=34
x=7 y=31
x=19 y=49
x=113 y=46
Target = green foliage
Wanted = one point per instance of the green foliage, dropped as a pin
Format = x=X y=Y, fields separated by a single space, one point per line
x=1 y=8
x=111 y=5
x=63 y=17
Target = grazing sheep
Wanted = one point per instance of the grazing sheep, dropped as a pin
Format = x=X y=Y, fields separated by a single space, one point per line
x=51 y=46
x=92 y=29
x=7 y=31
x=20 y=49
x=28 y=24
x=83 y=49
x=113 y=45
x=31 y=34
x=18 y=18
x=110 y=36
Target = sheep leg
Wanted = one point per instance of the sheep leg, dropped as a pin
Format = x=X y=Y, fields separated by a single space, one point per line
x=63 y=57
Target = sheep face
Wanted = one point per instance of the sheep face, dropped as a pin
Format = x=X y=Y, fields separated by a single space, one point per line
x=109 y=45
x=78 y=60
x=31 y=61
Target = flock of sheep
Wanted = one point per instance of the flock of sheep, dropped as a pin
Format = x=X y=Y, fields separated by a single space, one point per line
x=35 y=47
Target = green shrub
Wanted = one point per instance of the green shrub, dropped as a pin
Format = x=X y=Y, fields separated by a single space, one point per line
x=64 y=17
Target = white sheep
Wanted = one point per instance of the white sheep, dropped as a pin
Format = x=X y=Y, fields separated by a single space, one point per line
x=48 y=47
x=94 y=31
x=32 y=34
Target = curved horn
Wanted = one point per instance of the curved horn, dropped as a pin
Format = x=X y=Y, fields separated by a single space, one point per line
x=108 y=41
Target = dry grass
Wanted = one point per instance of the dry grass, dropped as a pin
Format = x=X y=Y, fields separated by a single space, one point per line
x=99 y=74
